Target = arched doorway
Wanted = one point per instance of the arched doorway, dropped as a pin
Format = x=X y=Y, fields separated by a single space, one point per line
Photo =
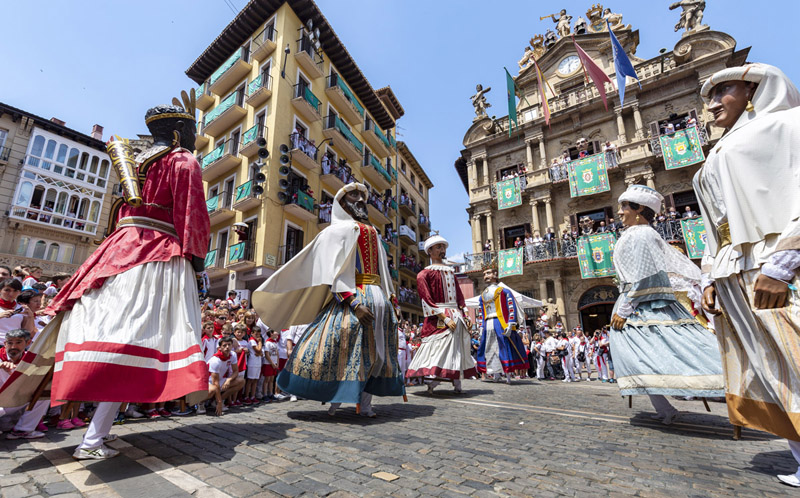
x=595 y=306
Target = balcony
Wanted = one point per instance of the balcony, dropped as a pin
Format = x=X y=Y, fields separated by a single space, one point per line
x=407 y=235
x=35 y=217
x=343 y=98
x=249 y=146
x=220 y=160
x=324 y=216
x=219 y=208
x=301 y=205
x=241 y=256
x=376 y=138
x=225 y=115
x=410 y=267
x=375 y=172
x=334 y=176
x=392 y=208
x=203 y=97
x=259 y=90
x=377 y=211
x=424 y=224
x=5 y=152
x=343 y=139
x=308 y=57
x=263 y=43
x=409 y=297
x=306 y=103
x=304 y=152
x=244 y=198
x=408 y=207
x=201 y=140
x=229 y=73
x=215 y=263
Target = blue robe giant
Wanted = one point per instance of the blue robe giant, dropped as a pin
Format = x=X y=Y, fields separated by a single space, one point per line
x=501 y=349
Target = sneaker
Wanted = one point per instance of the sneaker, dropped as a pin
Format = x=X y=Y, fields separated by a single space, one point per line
x=119 y=419
x=25 y=435
x=178 y=412
x=236 y=403
x=110 y=438
x=790 y=479
x=370 y=414
x=293 y=398
x=153 y=414
x=164 y=412
x=132 y=412
x=78 y=422
x=100 y=453
x=201 y=409
x=279 y=397
x=267 y=398
x=41 y=427
x=65 y=424
x=246 y=401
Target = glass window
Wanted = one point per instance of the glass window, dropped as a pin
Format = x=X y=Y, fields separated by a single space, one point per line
x=38 y=146
x=22 y=248
x=3 y=137
x=83 y=210
x=95 y=211
x=93 y=167
x=84 y=161
x=62 y=154
x=52 y=252
x=104 y=169
x=66 y=254
x=61 y=205
x=25 y=194
x=39 y=249
x=74 y=154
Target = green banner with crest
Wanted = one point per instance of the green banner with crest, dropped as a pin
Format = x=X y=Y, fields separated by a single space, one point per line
x=694 y=234
x=509 y=262
x=509 y=194
x=595 y=255
x=682 y=148
x=588 y=176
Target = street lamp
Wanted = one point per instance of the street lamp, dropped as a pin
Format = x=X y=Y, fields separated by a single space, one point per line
x=286 y=56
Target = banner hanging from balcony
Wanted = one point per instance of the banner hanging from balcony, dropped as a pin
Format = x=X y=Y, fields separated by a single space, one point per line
x=595 y=255
x=211 y=258
x=588 y=176
x=682 y=148
x=508 y=194
x=510 y=262
x=212 y=204
x=694 y=234
x=236 y=252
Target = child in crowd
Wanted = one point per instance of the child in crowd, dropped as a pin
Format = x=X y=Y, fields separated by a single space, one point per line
x=242 y=351
x=254 y=356
x=270 y=368
x=208 y=342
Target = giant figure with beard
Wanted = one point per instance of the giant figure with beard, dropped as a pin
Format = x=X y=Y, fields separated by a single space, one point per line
x=339 y=284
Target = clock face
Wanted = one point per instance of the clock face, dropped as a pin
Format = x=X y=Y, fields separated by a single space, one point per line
x=569 y=64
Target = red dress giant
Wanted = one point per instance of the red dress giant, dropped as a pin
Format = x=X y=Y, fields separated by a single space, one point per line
x=127 y=324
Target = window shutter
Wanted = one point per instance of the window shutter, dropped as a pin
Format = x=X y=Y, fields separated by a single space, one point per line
x=573 y=221
x=655 y=131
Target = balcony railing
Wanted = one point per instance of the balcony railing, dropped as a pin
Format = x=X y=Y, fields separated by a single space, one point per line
x=262 y=81
x=242 y=252
x=222 y=200
x=223 y=106
x=212 y=261
x=655 y=142
x=408 y=202
x=334 y=80
x=301 y=143
x=369 y=126
x=406 y=231
x=303 y=200
x=304 y=44
x=244 y=192
x=376 y=202
x=334 y=121
x=225 y=66
x=264 y=42
x=331 y=167
x=227 y=147
x=411 y=265
x=70 y=221
x=409 y=296
x=303 y=91
x=371 y=160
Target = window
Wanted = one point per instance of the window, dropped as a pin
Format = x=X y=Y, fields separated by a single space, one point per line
x=36 y=151
x=413 y=179
x=235 y=136
x=49 y=153
x=38 y=249
x=240 y=96
x=66 y=254
x=260 y=120
x=228 y=190
x=22 y=248
x=25 y=194
x=52 y=252
x=403 y=166
x=3 y=137
x=294 y=242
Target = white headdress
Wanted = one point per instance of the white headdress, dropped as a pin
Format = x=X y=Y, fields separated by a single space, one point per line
x=433 y=240
x=643 y=195
x=338 y=213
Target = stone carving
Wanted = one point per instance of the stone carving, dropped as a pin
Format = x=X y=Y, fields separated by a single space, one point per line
x=598 y=17
x=615 y=20
x=691 y=15
x=553 y=316
x=563 y=23
x=537 y=42
x=527 y=59
x=580 y=26
x=479 y=102
x=532 y=52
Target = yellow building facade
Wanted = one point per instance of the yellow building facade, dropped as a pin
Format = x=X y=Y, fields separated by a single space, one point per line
x=279 y=72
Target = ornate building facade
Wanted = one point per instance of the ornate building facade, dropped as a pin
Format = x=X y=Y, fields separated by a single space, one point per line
x=580 y=125
x=56 y=190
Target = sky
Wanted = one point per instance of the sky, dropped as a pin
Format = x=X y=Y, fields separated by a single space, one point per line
x=107 y=62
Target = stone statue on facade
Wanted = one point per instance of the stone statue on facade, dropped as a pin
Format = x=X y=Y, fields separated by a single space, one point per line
x=553 y=317
x=691 y=15
x=615 y=20
x=479 y=102
x=580 y=26
x=550 y=39
x=537 y=43
x=563 y=23
x=527 y=59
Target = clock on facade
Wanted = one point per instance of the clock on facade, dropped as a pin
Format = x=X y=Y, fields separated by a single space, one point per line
x=569 y=65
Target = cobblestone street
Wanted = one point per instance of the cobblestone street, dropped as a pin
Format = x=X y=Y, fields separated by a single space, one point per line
x=527 y=439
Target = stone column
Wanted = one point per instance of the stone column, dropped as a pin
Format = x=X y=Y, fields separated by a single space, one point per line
x=542 y=290
x=560 y=300
x=542 y=154
x=535 y=217
x=476 y=233
x=473 y=174
x=621 y=137
x=548 y=210
x=490 y=231
x=485 y=171
x=529 y=154
x=650 y=178
x=637 y=121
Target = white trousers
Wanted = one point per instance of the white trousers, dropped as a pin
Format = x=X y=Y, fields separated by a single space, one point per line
x=101 y=424
x=29 y=420
x=580 y=365
x=661 y=404
x=566 y=364
x=795 y=447
x=601 y=360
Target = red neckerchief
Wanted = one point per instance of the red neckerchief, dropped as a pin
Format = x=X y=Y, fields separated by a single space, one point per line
x=217 y=330
x=3 y=354
x=270 y=339
x=8 y=305
x=221 y=356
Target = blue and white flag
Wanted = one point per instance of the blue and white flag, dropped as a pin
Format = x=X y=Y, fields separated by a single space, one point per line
x=622 y=66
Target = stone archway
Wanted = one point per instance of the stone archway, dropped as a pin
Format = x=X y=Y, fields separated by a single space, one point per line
x=595 y=306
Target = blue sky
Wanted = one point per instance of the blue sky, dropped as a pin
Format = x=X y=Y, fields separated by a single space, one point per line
x=106 y=62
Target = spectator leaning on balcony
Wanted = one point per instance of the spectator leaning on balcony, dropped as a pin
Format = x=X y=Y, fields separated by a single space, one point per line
x=610 y=153
x=689 y=213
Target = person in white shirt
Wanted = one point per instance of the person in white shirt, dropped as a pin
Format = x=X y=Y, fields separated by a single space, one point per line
x=17 y=341
x=254 y=361
x=13 y=315
x=223 y=381
x=583 y=356
x=574 y=342
x=549 y=347
x=270 y=368
x=600 y=343
x=565 y=351
x=289 y=338
x=403 y=351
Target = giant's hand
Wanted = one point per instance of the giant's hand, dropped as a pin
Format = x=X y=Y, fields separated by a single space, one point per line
x=617 y=322
x=710 y=300
x=364 y=315
x=769 y=293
